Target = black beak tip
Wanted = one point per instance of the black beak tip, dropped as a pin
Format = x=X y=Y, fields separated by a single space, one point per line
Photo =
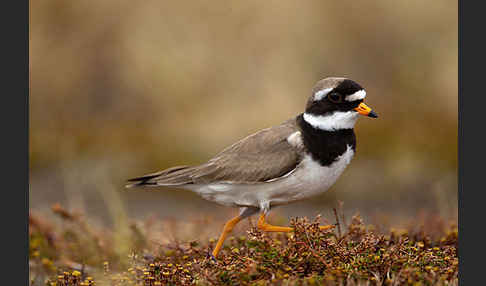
x=372 y=114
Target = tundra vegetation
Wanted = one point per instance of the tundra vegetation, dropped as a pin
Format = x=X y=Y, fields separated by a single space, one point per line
x=75 y=252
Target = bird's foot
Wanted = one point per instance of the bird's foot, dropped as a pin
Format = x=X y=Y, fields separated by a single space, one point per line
x=326 y=227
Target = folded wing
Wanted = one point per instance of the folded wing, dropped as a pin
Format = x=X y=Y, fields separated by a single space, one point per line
x=263 y=156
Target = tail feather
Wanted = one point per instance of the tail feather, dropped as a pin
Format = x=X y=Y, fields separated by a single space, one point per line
x=169 y=177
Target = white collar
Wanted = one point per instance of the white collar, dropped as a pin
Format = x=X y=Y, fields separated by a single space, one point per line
x=335 y=121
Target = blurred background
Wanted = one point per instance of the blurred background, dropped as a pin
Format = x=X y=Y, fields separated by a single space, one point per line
x=122 y=88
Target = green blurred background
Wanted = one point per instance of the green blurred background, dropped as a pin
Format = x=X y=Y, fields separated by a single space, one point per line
x=124 y=88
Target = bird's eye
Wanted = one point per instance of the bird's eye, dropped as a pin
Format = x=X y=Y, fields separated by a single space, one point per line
x=335 y=97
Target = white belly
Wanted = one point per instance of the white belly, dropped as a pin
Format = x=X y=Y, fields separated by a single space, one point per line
x=307 y=180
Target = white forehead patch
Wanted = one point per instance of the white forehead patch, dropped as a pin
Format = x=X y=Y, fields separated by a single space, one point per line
x=336 y=121
x=360 y=94
x=321 y=94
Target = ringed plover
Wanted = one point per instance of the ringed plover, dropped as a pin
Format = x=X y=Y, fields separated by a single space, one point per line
x=298 y=159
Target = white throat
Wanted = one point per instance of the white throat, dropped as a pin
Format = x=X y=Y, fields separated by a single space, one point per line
x=335 y=121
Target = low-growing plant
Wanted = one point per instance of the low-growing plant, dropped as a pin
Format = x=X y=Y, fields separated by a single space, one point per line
x=78 y=254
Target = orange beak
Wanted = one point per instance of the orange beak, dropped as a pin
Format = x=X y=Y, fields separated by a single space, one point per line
x=365 y=110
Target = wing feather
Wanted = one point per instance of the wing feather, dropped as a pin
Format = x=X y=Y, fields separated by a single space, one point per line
x=262 y=156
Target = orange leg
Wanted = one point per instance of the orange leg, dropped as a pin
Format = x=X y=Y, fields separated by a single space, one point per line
x=326 y=227
x=228 y=227
x=262 y=225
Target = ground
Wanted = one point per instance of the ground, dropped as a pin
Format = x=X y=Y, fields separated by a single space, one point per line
x=75 y=252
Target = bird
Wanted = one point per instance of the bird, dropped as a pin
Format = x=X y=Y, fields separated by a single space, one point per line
x=296 y=160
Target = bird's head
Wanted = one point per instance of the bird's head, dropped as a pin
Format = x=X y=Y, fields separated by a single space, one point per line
x=336 y=103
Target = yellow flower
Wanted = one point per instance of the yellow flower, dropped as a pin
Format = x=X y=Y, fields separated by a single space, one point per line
x=76 y=273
